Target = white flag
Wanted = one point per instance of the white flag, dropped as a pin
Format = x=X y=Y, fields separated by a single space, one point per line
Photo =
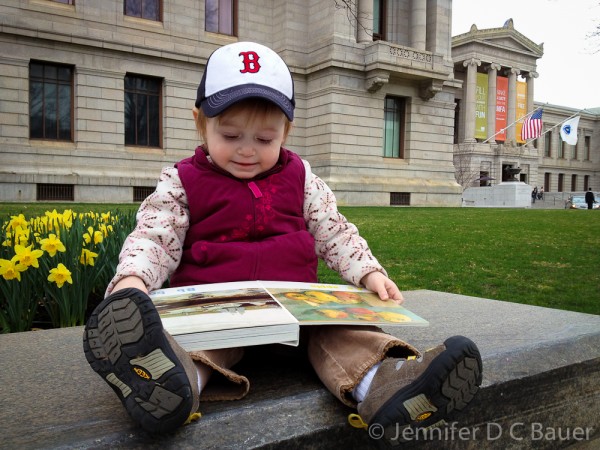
x=568 y=130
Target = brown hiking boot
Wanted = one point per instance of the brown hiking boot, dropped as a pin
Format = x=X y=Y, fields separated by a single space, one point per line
x=155 y=379
x=419 y=393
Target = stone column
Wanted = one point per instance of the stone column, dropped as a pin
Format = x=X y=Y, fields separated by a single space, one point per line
x=439 y=20
x=469 y=96
x=491 y=111
x=530 y=77
x=418 y=24
x=512 y=105
x=364 y=18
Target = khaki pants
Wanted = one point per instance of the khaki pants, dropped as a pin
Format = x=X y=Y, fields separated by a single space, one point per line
x=340 y=355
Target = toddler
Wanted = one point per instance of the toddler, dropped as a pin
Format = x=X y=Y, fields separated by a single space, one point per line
x=245 y=208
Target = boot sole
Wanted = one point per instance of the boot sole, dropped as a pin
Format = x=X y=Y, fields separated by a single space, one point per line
x=124 y=342
x=448 y=384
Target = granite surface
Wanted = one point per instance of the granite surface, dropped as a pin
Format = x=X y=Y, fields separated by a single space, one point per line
x=541 y=378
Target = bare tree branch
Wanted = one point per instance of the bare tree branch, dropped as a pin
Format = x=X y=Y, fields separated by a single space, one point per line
x=464 y=172
x=594 y=36
x=351 y=7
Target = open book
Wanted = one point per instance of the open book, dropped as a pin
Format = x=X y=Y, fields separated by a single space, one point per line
x=239 y=314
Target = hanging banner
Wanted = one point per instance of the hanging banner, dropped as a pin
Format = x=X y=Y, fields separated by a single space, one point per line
x=481 y=106
x=521 y=108
x=501 y=107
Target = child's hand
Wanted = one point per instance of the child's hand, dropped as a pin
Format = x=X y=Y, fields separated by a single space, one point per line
x=382 y=286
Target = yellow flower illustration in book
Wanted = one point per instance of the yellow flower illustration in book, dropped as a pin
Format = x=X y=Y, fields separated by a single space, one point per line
x=321 y=306
x=315 y=298
x=333 y=313
x=312 y=298
x=363 y=314
x=347 y=297
x=395 y=317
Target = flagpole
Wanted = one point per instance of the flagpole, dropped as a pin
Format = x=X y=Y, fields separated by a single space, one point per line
x=552 y=128
x=508 y=126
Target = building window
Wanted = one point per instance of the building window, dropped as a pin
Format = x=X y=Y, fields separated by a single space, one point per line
x=144 y=9
x=561 y=150
x=220 y=16
x=141 y=192
x=393 y=133
x=586 y=147
x=66 y=2
x=586 y=182
x=547 y=182
x=575 y=154
x=548 y=144
x=142 y=111
x=50 y=101
x=561 y=179
x=573 y=183
x=379 y=22
x=55 y=192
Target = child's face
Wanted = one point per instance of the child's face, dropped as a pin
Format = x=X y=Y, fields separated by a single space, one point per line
x=245 y=145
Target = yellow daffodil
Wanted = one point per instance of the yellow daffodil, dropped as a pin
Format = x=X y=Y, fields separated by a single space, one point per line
x=27 y=256
x=17 y=221
x=22 y=235
x=52 y=218
x=87 y=237
x=106 y=217
x=52 y=244
x=43 y=224
x=87 y=257
x=106 y=229
x=92 y=235
x=60 y=275
x=67 y=218
x=8 y=241
x=11 y=269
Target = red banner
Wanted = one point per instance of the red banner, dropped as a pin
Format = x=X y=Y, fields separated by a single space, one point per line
x=501 y=107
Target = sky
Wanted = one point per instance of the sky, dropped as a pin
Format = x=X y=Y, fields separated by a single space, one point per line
x=569 y=71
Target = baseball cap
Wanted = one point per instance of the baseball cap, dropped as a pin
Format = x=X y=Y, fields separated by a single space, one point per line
x=244 y=70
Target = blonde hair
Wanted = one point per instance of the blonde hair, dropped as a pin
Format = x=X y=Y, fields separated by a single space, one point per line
x=256 y=109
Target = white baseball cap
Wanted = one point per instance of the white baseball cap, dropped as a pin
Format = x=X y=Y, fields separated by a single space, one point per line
x=245 y=70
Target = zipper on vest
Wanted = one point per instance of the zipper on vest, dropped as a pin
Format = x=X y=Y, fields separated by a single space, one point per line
x=255 y=189
x=256 y=192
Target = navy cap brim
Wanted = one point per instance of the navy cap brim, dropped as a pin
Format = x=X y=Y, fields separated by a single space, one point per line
x=215 y=104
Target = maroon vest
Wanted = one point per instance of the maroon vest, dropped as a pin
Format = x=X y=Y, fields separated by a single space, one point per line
x=244 y=230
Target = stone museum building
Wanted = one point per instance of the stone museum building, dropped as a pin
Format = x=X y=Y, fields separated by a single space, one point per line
x=96 y=97
x=497 y=68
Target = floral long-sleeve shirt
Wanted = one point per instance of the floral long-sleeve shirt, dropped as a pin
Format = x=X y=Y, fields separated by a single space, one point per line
x=154 y=248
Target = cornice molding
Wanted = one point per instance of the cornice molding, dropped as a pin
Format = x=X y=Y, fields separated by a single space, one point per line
x=490 y=34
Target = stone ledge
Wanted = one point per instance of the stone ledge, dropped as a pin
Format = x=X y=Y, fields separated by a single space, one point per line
x=541 y=372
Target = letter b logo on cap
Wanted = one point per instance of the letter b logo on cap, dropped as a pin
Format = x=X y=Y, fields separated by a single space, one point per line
x=250 y=61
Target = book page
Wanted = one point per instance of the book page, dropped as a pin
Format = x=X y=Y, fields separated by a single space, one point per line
x=326 y=304
x=219 y=306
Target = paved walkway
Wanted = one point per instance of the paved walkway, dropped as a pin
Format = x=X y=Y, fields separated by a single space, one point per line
x=551 y=201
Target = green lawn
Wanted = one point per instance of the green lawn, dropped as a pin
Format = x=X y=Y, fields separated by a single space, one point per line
x=540 y=257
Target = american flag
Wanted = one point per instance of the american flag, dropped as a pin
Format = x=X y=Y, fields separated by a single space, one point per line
x=532 y=126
